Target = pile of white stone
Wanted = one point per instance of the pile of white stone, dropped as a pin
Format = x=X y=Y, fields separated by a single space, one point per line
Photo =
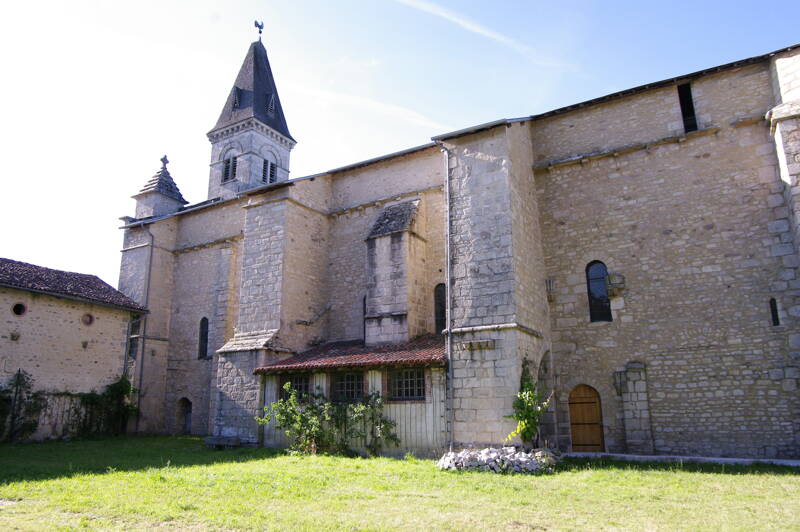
x=505 y=459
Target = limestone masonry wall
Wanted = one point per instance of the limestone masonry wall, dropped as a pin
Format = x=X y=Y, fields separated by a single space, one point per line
x=688 y=225
x=51 y=343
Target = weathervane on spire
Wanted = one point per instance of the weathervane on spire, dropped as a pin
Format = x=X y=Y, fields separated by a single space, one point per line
x=260 y=26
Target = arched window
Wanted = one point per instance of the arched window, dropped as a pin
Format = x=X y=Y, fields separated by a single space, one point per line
x=202 y=344
x=440 y=307
x=599 y=304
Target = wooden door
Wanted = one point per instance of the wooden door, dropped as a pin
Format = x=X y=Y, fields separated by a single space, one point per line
x=586 y=420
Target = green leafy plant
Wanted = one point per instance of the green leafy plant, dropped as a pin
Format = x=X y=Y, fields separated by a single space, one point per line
x=529 y=407
x=105 y=413
x=20 y=407
x=316 y=425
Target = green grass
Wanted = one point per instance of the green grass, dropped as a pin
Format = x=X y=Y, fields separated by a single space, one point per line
x=175 y=483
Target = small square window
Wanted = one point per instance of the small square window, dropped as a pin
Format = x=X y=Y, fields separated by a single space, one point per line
x=407 y=384
x=300 y=382
x=348 y=386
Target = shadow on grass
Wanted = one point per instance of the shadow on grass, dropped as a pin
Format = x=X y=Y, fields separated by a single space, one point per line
x=46 y=460
x=589 y=464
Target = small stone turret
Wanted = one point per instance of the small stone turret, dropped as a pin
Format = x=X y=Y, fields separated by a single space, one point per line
x=160 y=195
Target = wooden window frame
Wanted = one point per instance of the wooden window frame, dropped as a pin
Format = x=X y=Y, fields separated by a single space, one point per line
x=335 y=379
x=389 y=390
x=304 y=388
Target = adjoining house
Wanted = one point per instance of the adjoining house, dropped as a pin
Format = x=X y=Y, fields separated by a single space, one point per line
x=639 y=250
x=68 y=332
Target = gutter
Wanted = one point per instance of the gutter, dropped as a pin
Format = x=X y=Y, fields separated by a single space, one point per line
x=449 y=296
x=144 y=332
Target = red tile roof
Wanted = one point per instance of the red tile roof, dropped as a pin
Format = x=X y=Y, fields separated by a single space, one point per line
x=90 y=288
x=423 y=351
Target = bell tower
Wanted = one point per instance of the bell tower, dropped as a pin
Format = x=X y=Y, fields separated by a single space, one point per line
x=250 y=144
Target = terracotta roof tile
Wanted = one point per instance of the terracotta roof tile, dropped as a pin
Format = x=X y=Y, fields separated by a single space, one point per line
x=91 y=288
x=423 y=351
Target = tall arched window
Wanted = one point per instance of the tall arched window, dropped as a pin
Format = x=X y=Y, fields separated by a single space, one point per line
x=202 y=344
x=440 y=307
x=599 y=304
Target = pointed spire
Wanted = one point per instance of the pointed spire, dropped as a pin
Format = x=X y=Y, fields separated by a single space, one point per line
x=162 y=183
x=254 y=94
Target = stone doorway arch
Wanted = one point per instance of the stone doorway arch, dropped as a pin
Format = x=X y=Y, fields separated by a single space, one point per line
x=586 y=420
x=183 y=418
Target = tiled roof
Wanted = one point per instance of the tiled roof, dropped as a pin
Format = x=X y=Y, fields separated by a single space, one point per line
x=90 y=288
x=423 y=351
x=394 y=218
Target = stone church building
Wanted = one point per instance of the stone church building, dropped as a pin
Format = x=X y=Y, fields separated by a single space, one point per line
x=638 y=250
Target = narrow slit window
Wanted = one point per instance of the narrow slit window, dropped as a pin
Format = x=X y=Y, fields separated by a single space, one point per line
x=273 y=172
x=202 y=341
x=265 y=172
x=687 y=107
x=773 y=309
x=440 y=307
x=271 y=104
x=597 y=288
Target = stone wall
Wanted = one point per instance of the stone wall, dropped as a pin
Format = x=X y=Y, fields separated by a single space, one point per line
x=497 y=276
x=305 y=298
x=688 y=223
x=51 y=343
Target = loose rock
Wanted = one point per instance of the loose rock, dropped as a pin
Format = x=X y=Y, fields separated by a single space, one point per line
x=505 y=459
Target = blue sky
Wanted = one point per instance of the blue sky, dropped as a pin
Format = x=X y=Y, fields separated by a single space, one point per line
x=94 y=93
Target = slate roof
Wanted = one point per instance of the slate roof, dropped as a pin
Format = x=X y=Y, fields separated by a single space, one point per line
x=163 y=183
x=252 y=92
x=89 y=288
x=423 y=351
x=394 y=218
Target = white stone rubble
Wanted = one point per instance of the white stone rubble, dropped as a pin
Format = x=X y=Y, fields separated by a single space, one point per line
x=505 y=459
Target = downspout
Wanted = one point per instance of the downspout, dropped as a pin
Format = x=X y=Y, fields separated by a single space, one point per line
x=144 y=332
x=449 y=296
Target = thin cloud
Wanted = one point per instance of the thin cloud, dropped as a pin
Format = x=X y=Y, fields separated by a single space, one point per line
x=473 y=27
x=361 y=103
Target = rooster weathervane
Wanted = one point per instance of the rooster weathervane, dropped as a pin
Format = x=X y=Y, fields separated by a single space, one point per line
x=260 y=26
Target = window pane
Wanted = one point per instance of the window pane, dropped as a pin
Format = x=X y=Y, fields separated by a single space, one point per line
x=348 y=386
x=406 y=384
x=597 y=289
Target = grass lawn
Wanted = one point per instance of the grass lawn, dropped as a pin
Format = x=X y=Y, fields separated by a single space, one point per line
x=175 y=483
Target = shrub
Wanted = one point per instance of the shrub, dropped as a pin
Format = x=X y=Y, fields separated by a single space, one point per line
x=316 y=425
x=528 y=408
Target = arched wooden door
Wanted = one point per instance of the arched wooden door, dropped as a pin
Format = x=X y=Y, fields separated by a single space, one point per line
x=586 y=420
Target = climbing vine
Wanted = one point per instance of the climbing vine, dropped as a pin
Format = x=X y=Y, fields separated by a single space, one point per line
x=20 y=407
x=318 y=426
x=529 y=407
x=90 y=414
x=105 y=413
